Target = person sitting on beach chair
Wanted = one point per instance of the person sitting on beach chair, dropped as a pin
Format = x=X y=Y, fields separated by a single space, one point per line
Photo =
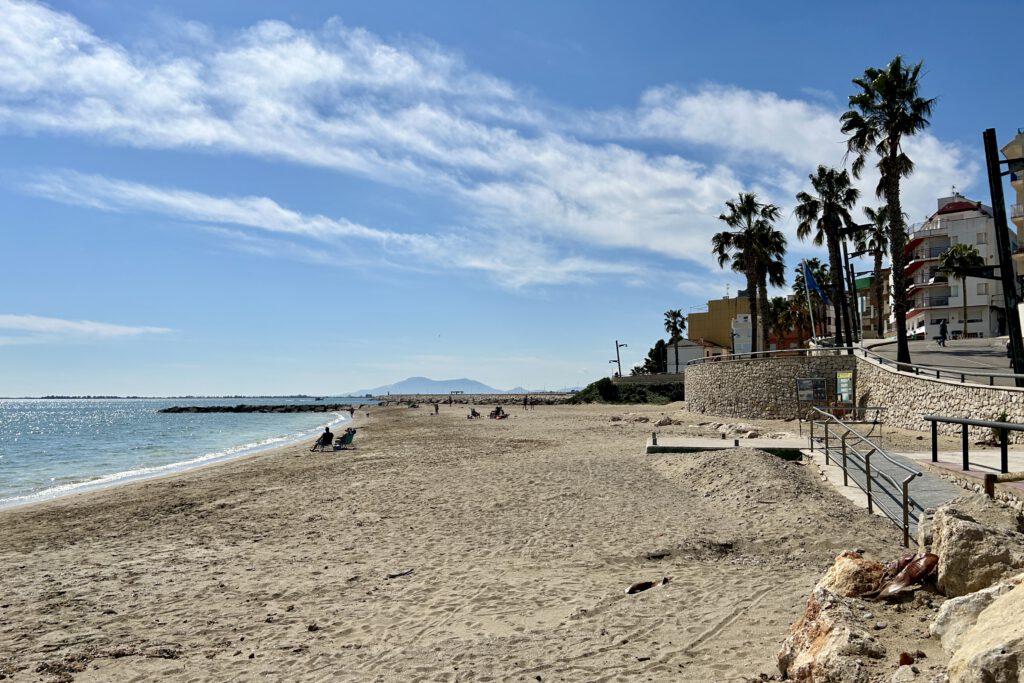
x=498 y=413
x=324 y=441
x=345 y=440
x=473 y=413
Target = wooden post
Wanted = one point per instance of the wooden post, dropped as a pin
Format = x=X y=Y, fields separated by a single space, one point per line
x=990 y=485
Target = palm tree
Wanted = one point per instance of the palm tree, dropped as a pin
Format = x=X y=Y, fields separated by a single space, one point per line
x=957 y=261
x=675 y=323
x=826 y=213
x=771 y=269
x=876 y=241
x=887 y=108
x=781 y=317
x=821 y=274
x=752 y=222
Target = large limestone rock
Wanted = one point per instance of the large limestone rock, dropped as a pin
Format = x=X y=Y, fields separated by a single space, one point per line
x=826 y=644
x=851 y=575
x=993 y=650
x=979 y=543
x=958 y=616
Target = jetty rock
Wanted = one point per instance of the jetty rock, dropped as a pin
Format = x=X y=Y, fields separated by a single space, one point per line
x=250 y=408
x=959 y=615
x=827 y=643
x=993 y=649
x=851 y=575
x=979 y=543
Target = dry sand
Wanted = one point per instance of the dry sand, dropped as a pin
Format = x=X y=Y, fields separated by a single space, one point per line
x=509 y=546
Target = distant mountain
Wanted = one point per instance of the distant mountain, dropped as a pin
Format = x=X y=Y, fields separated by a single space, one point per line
x=425 y=385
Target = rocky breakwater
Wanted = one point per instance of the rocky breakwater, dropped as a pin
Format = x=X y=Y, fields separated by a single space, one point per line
x=961 y=625
x=473 y=399
x=248 y=408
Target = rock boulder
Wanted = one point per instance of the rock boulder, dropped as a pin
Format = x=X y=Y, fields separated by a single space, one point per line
x=826 y=643
x=958 y=616
x=993 y=650
x=851 y=575
x=979 y=543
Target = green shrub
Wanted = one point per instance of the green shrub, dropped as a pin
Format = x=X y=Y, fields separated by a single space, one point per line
x=606 y=391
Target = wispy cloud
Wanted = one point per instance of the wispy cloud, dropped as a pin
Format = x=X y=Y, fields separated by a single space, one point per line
x=525 y=179
x=34 y=327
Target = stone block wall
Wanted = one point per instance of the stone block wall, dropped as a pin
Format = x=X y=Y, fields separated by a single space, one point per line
x=908 y=397
x=759 y=388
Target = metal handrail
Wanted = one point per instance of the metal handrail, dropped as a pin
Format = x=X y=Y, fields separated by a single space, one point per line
x=847 y=448
x=1003 y=428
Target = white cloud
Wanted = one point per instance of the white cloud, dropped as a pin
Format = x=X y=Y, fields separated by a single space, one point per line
x=38 y=325
x=526 y=180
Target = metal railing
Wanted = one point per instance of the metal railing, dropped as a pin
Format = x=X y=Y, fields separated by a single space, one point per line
x=1003 y=428
x=1017 y=210
x=930 y=371
x=855 y=451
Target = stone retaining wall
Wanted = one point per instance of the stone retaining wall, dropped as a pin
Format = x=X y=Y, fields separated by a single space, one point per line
x=908 y=397
x=760 y=388
x=766 y=388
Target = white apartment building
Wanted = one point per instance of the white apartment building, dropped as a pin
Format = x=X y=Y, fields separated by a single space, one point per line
x=933 y=296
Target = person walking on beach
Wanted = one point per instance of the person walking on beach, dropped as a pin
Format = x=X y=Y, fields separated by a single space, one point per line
x=437 y=408
x=943 y=333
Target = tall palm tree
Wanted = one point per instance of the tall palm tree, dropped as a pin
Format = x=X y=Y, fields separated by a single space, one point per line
x=825 y=213
x=752 y=222
x=781 y=317
x=771 y=269
x=875 y=240
x=821 y=274
x=675 y=323
x=886 y=108
x=957 y=262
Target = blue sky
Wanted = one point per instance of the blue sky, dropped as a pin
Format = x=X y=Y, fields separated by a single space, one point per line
x=246 y=197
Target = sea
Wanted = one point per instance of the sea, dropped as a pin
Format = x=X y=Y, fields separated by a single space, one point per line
x=55 y=447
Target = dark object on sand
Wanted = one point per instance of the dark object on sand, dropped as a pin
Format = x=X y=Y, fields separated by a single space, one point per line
x=405 y=573
x=641 y=586
x=903 y=574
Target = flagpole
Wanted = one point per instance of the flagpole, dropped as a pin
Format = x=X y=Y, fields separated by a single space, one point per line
x=807 y=292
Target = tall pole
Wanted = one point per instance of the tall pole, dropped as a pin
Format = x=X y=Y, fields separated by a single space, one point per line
x=995 y=184
x=618 y=358
x=850 y=336
x=810 y=309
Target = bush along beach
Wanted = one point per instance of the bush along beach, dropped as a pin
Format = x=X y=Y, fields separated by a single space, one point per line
x=606 y=391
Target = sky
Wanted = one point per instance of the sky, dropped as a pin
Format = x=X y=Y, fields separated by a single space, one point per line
x=315 y=197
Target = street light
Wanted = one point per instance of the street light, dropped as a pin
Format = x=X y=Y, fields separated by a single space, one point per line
x=618 y=357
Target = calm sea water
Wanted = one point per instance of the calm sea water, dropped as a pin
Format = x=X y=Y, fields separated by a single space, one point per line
x=52 y=447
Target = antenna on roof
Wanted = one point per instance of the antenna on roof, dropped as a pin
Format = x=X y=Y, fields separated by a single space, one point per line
x=727 y=291
x=955 y=193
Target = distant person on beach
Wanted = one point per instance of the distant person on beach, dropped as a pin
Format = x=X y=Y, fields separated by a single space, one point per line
x=526 y=402
x=325 y=440
x=943 y=333
x=437 y=409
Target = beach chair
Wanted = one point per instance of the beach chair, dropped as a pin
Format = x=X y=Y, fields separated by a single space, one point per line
x=321 y=444
x=345 y=440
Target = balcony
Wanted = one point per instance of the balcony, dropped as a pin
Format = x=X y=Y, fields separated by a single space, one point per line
x=1017 y=211
x=934 y=301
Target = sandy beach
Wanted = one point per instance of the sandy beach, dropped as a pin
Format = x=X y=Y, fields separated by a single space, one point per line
x=440 y=549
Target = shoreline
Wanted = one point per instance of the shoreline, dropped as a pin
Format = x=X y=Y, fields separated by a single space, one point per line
x=128 y=477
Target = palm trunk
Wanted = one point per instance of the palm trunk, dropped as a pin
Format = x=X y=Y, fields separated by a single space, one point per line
x=675 y=345
x=897 y=242
x=837 y=286
x=752 y=300
x=762 y=291
x=877 y=287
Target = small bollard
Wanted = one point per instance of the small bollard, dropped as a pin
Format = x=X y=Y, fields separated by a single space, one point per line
x=990 y=485
x=654 y=438
x=736 y=443
x=723 y=437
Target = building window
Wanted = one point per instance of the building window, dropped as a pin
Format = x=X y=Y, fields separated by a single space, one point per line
x=982 y=288
x=981 y=239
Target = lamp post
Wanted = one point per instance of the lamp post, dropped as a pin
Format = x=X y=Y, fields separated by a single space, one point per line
x=618 y=357
x=995 y=184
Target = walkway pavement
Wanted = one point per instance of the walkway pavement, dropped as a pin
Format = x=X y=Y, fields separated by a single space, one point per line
x=960 y=355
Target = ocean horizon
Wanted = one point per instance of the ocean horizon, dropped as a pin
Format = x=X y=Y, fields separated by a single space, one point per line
x=53 y=447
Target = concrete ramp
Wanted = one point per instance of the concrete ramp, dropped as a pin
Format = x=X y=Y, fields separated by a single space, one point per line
x=786 y=448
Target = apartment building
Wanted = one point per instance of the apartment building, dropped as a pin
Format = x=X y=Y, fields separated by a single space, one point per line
x=934 y=297
x=866 y=306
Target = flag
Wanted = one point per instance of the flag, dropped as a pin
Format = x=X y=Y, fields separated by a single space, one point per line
x=812 y=285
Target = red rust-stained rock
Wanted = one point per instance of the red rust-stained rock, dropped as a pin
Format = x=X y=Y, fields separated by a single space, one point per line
x=852 y=575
